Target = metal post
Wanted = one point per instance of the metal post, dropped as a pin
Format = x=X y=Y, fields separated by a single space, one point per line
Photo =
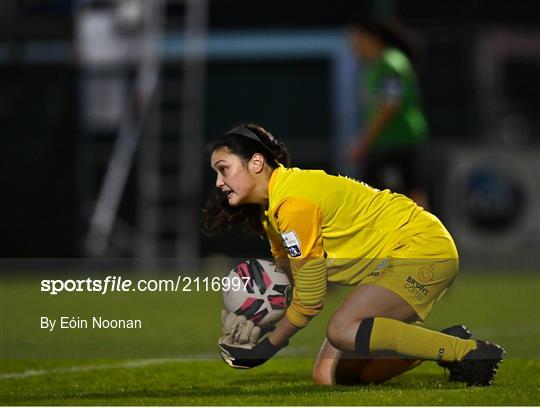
x=192 y=138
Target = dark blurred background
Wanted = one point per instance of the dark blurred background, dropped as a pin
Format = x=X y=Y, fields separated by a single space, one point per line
x=106 y=106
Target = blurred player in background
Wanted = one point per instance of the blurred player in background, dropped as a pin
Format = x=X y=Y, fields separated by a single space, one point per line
x=323 y=228
x=393 y=125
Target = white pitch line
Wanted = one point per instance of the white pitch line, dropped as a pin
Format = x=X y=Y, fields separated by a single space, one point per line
x=127 y=364
x=77 y=369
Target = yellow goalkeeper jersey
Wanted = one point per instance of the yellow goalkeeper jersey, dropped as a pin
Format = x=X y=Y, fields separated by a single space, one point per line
x=335 y=229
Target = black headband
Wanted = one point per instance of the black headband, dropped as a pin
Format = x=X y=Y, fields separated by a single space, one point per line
x=242 y=131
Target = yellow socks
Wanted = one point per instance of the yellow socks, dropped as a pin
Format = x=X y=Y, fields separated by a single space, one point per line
x=382 y=334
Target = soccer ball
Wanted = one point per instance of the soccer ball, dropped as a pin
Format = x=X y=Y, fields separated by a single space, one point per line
x=263 y=295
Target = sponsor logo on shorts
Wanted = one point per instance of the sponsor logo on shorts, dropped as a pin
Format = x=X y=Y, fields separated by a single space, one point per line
x=416 y=288
x=425 y=274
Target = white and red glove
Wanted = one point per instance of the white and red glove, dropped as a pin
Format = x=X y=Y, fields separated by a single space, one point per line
x=239 y=330
x=240 y=346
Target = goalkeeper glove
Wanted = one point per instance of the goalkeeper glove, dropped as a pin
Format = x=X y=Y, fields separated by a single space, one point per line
x=239 y=329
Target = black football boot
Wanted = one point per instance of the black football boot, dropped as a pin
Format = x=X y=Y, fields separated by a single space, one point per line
x=479 y=366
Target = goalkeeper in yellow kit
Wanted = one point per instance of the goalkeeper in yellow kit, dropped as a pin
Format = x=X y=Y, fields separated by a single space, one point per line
x=324 y=228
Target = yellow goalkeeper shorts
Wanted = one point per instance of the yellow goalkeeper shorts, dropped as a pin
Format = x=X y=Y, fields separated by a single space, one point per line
x=420 y=268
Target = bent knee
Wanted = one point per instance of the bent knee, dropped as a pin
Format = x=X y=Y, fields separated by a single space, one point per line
x=342 y=334
x=333 y=334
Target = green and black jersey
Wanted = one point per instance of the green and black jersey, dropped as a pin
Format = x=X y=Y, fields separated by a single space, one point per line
x=392 y=79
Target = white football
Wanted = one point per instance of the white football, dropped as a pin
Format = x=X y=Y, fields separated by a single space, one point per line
x=264 y=294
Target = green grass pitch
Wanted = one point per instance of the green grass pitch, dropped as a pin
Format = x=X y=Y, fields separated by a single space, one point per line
x=175 y=362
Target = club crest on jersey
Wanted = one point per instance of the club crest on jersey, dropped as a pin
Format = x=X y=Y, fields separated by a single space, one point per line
x=292 y=243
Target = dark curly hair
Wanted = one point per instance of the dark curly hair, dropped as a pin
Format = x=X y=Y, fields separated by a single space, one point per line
x=218 y=215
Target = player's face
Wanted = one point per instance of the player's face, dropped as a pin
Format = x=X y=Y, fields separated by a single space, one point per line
x=234 y=177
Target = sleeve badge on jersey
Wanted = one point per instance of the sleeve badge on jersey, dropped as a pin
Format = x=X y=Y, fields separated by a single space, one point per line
x=292 y=243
